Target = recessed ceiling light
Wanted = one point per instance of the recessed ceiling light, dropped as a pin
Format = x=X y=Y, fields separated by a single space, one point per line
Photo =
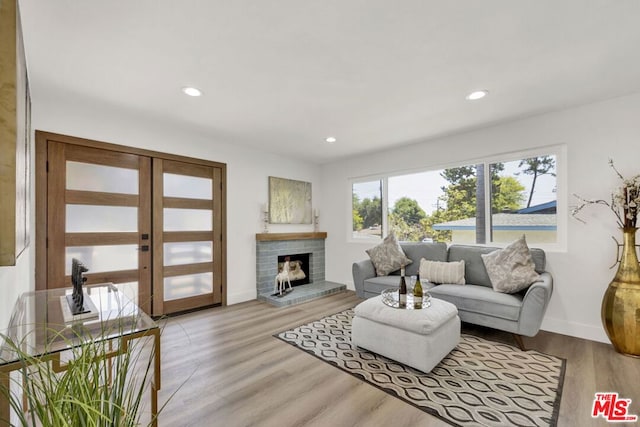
x=331 y=139
x=192 y=91
x=478 y=94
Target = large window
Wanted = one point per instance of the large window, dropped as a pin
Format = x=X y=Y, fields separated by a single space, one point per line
x=366 y=209
x=485 y=202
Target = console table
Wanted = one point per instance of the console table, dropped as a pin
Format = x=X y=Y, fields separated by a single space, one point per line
x=37 y=323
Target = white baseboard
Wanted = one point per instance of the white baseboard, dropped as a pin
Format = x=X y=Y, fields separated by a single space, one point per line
x=574 y=329
x=237 y=298
x=348 y=283
x=559 y=326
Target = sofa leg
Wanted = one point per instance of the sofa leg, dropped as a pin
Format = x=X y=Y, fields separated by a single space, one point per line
x=518 y=339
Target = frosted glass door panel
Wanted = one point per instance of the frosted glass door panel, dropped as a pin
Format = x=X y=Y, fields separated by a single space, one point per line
x=95 y=219
x=103 y=258
x=187 y=253
x=189 y=187
x=108 y=179
x=187 y=219
x=130 y=289
x=187 y=286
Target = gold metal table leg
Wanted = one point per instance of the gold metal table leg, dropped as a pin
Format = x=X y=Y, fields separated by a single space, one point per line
x=5 y=408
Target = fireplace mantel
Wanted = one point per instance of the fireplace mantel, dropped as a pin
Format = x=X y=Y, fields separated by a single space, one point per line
x=273 y=237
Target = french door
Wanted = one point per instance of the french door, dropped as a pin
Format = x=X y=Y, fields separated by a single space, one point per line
x=131 y=217
x=187 y=236
x=98 y=211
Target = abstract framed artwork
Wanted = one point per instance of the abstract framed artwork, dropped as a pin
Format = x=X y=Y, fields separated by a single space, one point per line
x=289 y=201
x=15 y=137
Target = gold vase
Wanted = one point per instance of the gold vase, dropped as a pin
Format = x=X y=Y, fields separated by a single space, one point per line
x=621 y=301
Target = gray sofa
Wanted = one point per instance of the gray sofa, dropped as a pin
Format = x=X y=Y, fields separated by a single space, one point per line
x=520 y=313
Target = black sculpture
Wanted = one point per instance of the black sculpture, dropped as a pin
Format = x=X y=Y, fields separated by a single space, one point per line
x=76 y=299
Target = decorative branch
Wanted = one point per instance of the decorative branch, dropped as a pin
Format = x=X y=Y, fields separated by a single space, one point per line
x=585 y=202
x=625 y=201
x=614 y=168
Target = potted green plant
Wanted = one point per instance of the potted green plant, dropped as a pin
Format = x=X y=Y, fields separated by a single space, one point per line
x=100 y=385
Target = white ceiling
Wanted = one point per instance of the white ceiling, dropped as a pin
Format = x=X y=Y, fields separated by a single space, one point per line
x=281 y=75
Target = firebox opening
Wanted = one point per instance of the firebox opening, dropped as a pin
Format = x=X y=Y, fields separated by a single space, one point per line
x=299 y=273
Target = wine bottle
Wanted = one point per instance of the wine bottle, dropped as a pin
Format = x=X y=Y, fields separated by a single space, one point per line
x=402 y=292
x=417 y=293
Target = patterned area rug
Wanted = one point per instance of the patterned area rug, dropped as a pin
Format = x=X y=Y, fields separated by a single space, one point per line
x=480 y=383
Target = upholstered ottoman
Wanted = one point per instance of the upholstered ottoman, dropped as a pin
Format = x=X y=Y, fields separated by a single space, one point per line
x=418 y=338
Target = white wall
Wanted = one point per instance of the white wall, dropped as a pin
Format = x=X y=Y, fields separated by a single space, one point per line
x=592 y=134
x=247 y=181
x=15 y=280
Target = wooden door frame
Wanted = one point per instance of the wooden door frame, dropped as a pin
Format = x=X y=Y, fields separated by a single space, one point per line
x=42 y=140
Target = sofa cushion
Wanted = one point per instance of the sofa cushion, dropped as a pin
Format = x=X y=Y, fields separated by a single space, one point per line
x=376 y=285
x=442 y=272
x=436 y=251
x=388 y=256
x=511 y=269
x=480 y=299
x=475 y=271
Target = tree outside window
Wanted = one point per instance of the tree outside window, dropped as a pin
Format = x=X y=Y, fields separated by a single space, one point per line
x=366 y=209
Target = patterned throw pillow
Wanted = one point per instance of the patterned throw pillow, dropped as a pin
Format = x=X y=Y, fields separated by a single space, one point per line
x=442 y=272
x=511 y=269
x=388 y=256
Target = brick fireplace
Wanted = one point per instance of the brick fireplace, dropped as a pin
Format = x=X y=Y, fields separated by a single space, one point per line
x=270 y=246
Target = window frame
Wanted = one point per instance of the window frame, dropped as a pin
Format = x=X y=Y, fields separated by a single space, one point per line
x=559 y=151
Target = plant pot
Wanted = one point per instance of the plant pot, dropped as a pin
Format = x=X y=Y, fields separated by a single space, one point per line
x=621 y=301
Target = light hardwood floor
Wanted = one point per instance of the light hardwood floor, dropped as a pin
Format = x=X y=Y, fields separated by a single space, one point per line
x=230 y=371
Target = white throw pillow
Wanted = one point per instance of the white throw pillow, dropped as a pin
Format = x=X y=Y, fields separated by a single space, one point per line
x=511 y=269
x=442 y=272
x=388 y=256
